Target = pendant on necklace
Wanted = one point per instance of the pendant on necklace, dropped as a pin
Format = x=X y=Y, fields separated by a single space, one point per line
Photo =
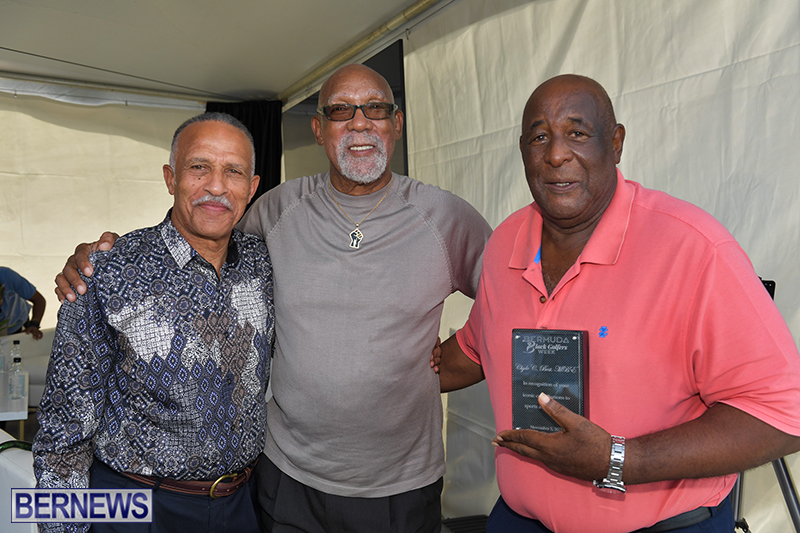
x=355 y=238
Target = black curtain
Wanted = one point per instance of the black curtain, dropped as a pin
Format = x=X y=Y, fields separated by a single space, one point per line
x=263 y=119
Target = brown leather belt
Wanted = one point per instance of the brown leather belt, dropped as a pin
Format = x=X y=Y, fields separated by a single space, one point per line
x=214 y=489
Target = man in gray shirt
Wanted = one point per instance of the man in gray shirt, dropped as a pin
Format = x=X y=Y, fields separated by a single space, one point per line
x=362 y=262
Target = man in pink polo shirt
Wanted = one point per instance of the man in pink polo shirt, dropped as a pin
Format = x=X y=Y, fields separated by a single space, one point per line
x=693 y=374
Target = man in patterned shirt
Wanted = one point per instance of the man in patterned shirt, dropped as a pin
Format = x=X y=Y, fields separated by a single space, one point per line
x=158 y=372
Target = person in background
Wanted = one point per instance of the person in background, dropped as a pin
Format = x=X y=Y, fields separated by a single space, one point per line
x=21 y=305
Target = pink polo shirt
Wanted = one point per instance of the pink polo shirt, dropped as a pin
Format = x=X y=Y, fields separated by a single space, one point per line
x=677 y=320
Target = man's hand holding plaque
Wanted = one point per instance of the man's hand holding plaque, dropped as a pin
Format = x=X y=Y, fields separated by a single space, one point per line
x=580 y=450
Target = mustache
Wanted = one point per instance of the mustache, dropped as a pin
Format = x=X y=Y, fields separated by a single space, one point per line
x=355 y=137
x=211 y=198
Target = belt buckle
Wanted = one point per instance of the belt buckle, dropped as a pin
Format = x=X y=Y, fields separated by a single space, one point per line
x=217 y=482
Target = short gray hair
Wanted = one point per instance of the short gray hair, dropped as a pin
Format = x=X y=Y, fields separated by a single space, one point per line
x=214 y=117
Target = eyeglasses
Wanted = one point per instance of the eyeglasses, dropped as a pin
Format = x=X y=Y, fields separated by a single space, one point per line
x=372 y=110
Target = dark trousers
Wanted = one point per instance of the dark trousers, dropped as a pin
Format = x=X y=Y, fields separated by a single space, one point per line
x=173 y=511
x=288 y=506
x=504 y=520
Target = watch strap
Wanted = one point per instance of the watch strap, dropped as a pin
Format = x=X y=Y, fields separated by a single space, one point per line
x=613 y=479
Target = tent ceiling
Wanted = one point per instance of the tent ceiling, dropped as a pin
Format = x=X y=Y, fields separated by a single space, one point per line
x=237 y=49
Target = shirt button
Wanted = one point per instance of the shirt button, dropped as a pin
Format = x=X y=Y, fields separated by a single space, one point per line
x=543 y=299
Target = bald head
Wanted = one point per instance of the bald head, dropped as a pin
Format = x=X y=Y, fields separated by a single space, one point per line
x=570 y=147
x=362 y=75
x=571 y=84
x=359 y=148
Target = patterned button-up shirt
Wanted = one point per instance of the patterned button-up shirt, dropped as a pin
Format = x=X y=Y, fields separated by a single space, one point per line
x=161 y=368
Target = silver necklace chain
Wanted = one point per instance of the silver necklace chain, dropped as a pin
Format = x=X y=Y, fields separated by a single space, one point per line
x=356 y=236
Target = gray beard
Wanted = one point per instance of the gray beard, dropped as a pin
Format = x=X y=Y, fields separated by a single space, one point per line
x=362 y=170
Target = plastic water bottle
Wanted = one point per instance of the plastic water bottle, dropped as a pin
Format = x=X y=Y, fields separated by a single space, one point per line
x=17 y=376
x=5 y=360
x=5 y=364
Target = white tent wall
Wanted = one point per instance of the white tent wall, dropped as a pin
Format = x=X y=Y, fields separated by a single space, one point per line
x=708 y=92
x=69 y=172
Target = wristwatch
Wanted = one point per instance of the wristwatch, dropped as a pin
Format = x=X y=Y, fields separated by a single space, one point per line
x=30 y=324
x=613 y=479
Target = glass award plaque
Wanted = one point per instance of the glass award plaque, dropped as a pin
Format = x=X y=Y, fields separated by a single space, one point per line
x=555 y=362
